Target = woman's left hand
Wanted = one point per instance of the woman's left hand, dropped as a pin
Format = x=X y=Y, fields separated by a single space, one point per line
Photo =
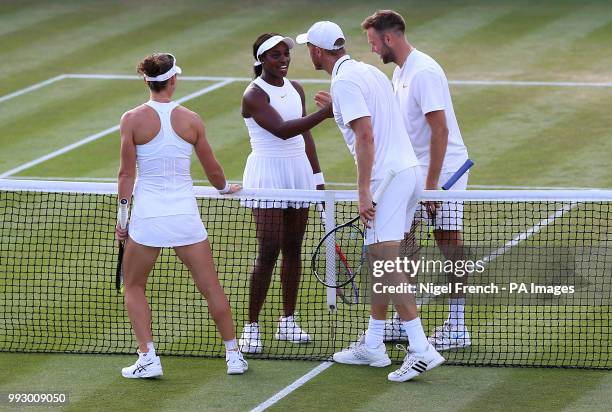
x=235 y=187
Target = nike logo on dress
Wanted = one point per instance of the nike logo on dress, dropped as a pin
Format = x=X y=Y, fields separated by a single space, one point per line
x=282 y=97
x=405 y=85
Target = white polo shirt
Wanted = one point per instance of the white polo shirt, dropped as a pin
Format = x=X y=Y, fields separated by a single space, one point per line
x=358 y=90
x=421 y=87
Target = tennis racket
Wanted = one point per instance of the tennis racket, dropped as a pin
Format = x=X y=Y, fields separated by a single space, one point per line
x=346 y=242
x=431 y=221
x=122 y=218
x=349 y=293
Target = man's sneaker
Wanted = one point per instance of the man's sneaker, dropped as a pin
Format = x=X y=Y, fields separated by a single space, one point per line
x=145 y=367
x=250 y=340
x=290 y=331
x=394 y=331
x=359 y=354
x=236 y=365
x=415 y=364
x=447 y=337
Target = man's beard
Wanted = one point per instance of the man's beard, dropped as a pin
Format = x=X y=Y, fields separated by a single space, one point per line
x=387 y=55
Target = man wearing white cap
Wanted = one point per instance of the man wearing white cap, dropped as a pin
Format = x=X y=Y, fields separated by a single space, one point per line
x=368 y=116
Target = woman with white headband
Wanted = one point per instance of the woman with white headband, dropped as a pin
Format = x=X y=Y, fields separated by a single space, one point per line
x=159 y=136
x=283 y=157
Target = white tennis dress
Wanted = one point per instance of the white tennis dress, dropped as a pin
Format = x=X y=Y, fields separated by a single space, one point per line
x=165 y=212
x=275 y=163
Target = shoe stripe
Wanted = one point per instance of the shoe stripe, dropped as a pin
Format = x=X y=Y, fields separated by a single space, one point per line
x=141 y=368
x=420 y=366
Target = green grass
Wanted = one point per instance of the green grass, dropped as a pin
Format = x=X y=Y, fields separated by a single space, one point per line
x=528 y=136
x=94 y=382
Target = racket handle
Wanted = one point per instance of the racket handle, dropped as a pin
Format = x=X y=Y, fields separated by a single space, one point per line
x=457 y=175
x=383 y=186
x=122 y=213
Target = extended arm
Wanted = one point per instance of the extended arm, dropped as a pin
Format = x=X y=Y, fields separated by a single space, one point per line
x=255 y=104
x=210 y=164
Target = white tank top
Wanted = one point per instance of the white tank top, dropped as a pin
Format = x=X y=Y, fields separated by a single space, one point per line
x=288 y=103
x=164 y=186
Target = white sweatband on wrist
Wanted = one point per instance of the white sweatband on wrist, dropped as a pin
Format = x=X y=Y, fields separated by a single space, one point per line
x=226 y=189
x=319 y=179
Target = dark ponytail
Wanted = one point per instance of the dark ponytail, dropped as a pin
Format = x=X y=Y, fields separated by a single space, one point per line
x=262 y=38
x=154 y=65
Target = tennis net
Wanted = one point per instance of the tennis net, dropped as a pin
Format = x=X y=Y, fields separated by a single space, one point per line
x=58 y=257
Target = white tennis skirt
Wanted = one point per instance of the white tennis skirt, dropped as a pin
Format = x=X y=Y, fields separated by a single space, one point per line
x=167 y=231
x=270 y=172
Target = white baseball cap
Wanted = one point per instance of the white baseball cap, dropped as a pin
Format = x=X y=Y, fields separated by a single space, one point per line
x=323 y=34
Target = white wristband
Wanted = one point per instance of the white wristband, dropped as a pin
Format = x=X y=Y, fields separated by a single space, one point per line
x=318 y=178
x=226 y=189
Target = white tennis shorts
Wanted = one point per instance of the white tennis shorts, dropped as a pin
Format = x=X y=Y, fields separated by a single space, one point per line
x=449 y=216
x=396 y=207
x=168 y=231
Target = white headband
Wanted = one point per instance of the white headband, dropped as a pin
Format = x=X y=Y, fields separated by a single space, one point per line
x=165 y=76
x=271 y=42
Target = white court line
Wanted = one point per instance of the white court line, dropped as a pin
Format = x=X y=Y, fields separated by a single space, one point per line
x=526 y=235
x=290 y=388
x=455 y=82
x=315 y=81
x=32 y=87
x=103 y=133
x=426 y=298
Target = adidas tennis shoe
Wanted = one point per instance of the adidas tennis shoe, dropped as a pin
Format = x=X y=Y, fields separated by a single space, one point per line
x=359 y=354
x=145 y=367
x=236 y=365
x=394 y=331
x=250 y=340
x=447 y=337
x=290 y=331
x=416 y=364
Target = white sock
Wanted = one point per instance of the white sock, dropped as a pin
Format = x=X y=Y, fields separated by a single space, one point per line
x=456 y=312
x=416 y=335
x=230 y=344
x=150 y=350
x=375 y=333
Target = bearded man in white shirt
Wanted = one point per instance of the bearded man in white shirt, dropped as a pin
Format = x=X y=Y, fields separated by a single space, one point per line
x=425 y=103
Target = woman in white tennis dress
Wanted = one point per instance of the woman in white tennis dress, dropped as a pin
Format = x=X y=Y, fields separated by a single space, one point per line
x=159 y=137
x=283 y=157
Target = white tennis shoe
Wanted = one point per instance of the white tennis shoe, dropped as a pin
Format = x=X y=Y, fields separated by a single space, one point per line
x=250 y=340
x=290 y=331
x=416 y=364
x=447 y=337
x=394 y=331
x=236 y=365
x=360 y=354
x=145 y=367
